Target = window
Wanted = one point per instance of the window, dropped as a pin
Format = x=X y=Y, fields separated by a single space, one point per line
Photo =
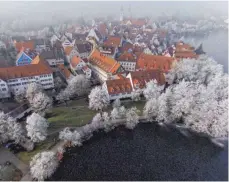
x=4 y=89
x=2 y=85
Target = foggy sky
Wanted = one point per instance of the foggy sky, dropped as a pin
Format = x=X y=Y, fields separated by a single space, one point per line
x=12 y=10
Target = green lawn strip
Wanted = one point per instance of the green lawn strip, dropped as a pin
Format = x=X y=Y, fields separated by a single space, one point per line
x=26 y=156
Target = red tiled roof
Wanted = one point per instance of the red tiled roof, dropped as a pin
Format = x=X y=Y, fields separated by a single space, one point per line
x=38 y=68
x=102 y=28
x=126 y=56
x=140 y=78
x=119 y=86
x=68 y=50
x=114 y=41
x=64 y=70
x=148 y=62
x=126 y=47
x=29 y=44
x=106 y=63
x=75 y=60
x=184 y=51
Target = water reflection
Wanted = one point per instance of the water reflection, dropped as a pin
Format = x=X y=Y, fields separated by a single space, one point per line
x=149 y=152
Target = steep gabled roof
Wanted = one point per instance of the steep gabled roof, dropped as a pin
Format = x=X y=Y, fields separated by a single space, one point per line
x=114 y=41
x=140 y=78
x=28 y=44
x=119 y=86
x=25 y=71
x=75 y=61
x=127 y=56
x=148 y=62
x=106 y=63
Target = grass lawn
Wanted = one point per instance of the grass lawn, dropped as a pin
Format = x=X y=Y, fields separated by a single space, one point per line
x=26 y=156
x=76 y=113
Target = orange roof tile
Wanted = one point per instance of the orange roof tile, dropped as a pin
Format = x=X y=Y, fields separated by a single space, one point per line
x=119 y=86
x=25 y=71
x=126 y=56
x=64 y=70
x=106 y=63
x=68 y=50
x=114 y=41
x=186 y=54
x=140 y=78
x=29 y=44
x=148 y=62
x=36 y=60
x=75 y=60
x=102 y=28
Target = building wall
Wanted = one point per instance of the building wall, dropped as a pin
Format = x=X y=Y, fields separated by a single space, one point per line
x=102 y=75
x=54 y=62
x=4 y=90
x=116 y=96
x=84 y=55
x=13 y=85
x=128 y=66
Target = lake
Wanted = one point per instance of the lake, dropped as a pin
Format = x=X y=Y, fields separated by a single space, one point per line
x=215 y=45
x=148 y=152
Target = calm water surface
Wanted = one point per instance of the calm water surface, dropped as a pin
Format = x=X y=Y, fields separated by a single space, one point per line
x=145 y=153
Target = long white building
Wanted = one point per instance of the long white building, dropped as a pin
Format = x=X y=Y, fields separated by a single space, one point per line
x=18 y=77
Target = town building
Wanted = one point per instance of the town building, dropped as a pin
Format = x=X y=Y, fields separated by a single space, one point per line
x=53 y=57
x=139 y=79
x=128 y=61
x=102 y=66
x=110 y=46
x=118 y=89
x=184 y=51
x=23 y=59
x=18 y=77
x=83 y=48
x=26 y=45
x=149 y=62
x=79 y=66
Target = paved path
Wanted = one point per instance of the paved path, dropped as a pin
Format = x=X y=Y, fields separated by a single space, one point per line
x=6 y=155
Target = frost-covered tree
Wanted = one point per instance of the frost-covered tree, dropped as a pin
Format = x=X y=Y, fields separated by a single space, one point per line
x=86 y=131
x=43 y=165
x=36 y=127
x=19 y=95
x=136 y=95
x=192 y=104
x=122 y=111
x=98 y=98
x=10 y=129
x=115 y=114
x=73 y=136
x=41 y=103
x=107 y=122
x=203 y=69
x=63 y=96
x=132 y=118
x=32 y=90
x=152 y=90
x=164 y=106
x=117 y=103
x=151 y=109
x=218 y=87
x=97 y=122
x=78 y=85
x=59 y=84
